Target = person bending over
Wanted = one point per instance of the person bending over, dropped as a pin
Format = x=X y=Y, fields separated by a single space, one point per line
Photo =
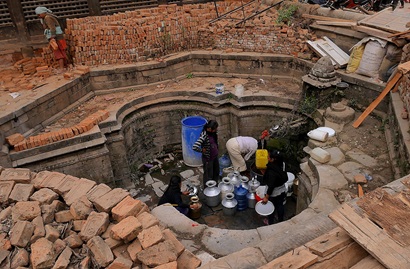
x=240 y=149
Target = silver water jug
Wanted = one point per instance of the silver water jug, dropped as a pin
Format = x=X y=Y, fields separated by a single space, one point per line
x=229 y=204
x=226 y=187
x=212 y=193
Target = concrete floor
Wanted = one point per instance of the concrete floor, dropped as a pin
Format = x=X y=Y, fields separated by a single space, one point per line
x=149 y=188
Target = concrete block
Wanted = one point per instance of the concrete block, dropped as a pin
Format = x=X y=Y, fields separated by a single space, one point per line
x=320 y=155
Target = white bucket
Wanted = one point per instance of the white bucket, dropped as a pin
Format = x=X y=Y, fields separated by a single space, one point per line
x=318 y=135
x=239 y=90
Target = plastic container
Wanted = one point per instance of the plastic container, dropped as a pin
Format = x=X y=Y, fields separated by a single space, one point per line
x=261 y=156
x=240 y=196
x=224 y=162
x=318 y=135
x=191 y=130
x=219 y=88
x=239 y=90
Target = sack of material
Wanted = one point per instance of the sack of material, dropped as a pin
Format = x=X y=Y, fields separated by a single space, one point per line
x=355 y=58
x=371 y=60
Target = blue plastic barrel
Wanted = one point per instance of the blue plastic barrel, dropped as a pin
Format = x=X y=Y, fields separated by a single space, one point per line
x=191 y=130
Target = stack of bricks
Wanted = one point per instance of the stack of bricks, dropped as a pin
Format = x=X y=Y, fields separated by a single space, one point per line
x=54 y=136
x=53 y=220
x=78 y=71
x=26 y=66
x=154 y=32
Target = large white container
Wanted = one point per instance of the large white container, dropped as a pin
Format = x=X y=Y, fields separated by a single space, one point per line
x=318 y=135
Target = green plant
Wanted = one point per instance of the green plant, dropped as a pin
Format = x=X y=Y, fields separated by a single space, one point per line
x=286 y=14
x=189 y=75
x=308 y=105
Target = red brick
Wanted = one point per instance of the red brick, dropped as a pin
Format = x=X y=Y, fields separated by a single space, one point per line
x=14 y=139
x=96 y=224
x=21 y=233
x=127 y=207
x=101 y=251
x=42 y=254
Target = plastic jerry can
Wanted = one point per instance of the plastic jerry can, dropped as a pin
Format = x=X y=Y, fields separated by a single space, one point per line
x=261 y=158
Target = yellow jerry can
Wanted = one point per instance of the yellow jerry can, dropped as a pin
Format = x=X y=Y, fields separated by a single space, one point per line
x=261 y=158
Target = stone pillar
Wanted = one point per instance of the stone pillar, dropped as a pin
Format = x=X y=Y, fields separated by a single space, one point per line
x=17 y=16
x=94 y=7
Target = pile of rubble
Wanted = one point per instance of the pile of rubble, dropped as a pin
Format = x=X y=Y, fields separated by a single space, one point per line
x=53 y=220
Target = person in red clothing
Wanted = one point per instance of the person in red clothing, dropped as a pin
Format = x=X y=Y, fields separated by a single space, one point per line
x=53 y=33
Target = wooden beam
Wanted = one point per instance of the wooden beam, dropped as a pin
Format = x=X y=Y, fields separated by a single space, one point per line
x=373 y=105
x=329 y=242
x=298 y=258
x=359 y=190
x=323 y=18
x=337 y=23
x=401 y=33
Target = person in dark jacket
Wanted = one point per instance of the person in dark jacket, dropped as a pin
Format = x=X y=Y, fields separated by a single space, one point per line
x=275 y=178
x=207 y=144
x=172 y=195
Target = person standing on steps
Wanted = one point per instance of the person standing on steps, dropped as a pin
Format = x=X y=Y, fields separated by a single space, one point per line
x=207 y=144
x=275 y=178
x=240 y=149
x=54 y=34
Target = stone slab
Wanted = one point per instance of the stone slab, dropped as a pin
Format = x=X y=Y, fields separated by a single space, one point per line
x=350 y=169
x=176 y=221
x=245 y=258
x=362 y=158
x=224 y=241
x=330 y=177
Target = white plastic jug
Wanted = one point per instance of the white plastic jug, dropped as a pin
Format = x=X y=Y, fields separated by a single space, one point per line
x=318 y=135
x=239 y=90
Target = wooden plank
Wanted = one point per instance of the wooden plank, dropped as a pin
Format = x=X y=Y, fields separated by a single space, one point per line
x=368 y=263
x=373 y=105
x=323 y=18
x=371 y=237
x=298 y=258
x=338 y=50
x=388 y=20
x=404 y=67
x=359 y=190
x=373 y=32
x=399 y=34
x=329 y=242
x=319 y=51
x=337 y=23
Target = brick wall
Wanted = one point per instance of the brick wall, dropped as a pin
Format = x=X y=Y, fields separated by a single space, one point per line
x=150 y=33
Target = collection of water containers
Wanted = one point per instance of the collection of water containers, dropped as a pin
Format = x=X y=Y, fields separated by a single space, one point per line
x=235 y=192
